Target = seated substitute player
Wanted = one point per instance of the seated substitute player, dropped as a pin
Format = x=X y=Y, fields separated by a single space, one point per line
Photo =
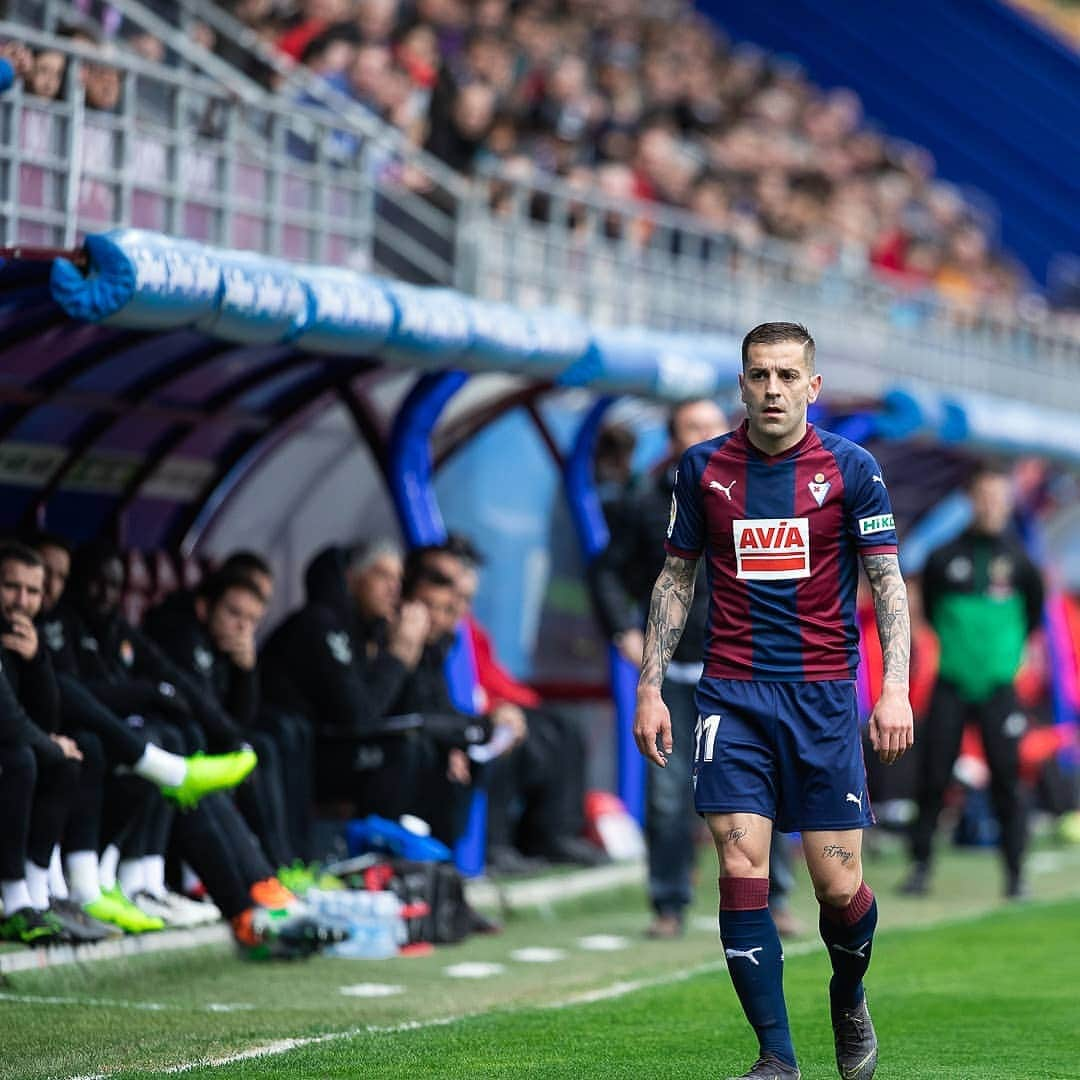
x=781 y=511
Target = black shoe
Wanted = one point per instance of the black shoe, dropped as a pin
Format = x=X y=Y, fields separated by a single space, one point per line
x=481 y=924
x=505 y=861
x=572 y=849
x=856 y=1043
x=32 y=927
x=80 y=927
x=768 y=1067
x=917 y=883
x=1016 y=888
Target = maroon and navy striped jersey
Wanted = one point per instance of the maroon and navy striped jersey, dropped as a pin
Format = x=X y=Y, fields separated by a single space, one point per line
x=781 y=536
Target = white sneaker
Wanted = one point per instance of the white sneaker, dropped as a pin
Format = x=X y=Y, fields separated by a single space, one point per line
x=176 y=911
x=197 y=912
x=150 y=905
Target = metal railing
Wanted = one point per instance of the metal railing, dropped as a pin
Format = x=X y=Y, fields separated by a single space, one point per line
x=640 y=264
x=246 y=169
x=239 y=167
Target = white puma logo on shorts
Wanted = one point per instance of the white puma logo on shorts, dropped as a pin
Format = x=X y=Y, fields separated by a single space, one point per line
x=856 y=799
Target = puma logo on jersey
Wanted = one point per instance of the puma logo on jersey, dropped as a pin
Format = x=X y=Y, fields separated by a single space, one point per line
x=859 y=951
x=876 y=479
x=745 y=954
x=772 y=549
x=725 y=488
x=856 y=799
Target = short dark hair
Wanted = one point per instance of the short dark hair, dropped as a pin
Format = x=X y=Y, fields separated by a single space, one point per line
x=461 y=547
x=42 y=539
x=216 y=585
x=673 y=412
x=424 y=575
x=13 y=551
x=988 y=467
x=246 y=562
x=775 y=333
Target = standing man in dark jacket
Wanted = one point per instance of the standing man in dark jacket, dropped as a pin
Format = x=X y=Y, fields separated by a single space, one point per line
x=622 y=579
x=984 y=597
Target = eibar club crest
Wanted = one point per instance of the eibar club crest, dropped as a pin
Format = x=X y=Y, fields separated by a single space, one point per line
x=819 y=488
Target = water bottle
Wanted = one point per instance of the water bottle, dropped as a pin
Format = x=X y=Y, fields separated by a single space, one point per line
x=376 y=928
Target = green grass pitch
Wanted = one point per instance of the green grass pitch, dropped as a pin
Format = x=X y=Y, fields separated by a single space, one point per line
x=961 y=986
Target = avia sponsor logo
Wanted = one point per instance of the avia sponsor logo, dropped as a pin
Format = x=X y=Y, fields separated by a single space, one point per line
x=879 y=523
x=772 y=549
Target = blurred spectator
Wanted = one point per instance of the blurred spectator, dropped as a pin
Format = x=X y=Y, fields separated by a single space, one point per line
x=47 y=77
x=471 y=117
x=581 y=90
x=315 y=16
x=20 y=58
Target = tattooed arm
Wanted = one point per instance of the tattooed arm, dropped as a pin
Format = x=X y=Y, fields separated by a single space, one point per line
x=891 y=726
x=672 y=596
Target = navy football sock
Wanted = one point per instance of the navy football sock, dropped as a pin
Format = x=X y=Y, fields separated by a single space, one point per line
x=755 y=961
x=849 y=935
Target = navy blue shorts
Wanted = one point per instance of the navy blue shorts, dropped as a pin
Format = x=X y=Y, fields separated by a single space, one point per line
x=790 y=751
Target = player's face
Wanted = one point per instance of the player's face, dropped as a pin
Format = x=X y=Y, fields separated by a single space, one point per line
x=235 y=616
x=377 y=587
x=21 y=589
x=991 y=503
x=105 y=587
x=57 y=567
x=695 y=422
x=443 y=606
x=777 y=388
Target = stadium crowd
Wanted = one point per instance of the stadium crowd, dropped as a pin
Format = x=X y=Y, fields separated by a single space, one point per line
x=121 y=746
x=625 y=100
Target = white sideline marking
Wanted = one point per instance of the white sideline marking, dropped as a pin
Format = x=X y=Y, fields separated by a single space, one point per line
x=130 y=945
x=604 y=993
x=473 y=969
x=118 y=1003
x=621 y=989
x=372 y=990
x=282 y=1046
x=602 y=943
x=538 y=954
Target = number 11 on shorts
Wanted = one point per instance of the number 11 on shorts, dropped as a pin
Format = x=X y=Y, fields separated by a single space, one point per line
x=705 y=736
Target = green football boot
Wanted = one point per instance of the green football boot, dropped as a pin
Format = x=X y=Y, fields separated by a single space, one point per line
x=207 y=773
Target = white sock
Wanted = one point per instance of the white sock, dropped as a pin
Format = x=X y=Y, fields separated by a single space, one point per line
x=153 y=871
x=57 y=885
x=15 y=895
x=130 y=875
x=37 y=882
x=107 y=867
x=82 y=874
x=161 y=767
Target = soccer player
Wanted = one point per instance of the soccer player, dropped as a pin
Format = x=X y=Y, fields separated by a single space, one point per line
x=622 y=578
x=782 y=513
x=984 y=598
